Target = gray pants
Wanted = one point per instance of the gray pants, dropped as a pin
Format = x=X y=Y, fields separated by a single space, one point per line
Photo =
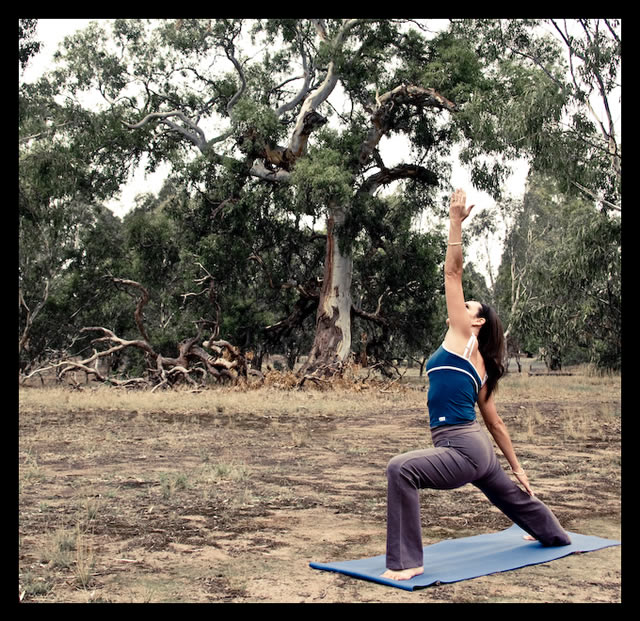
x=462 y=454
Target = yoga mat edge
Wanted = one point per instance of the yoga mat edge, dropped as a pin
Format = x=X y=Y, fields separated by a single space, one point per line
x=465 y=558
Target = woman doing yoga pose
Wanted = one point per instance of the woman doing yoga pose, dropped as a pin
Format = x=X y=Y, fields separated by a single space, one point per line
x=463 y=371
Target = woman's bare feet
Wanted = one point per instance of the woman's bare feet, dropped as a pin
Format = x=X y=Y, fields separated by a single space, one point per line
x=402 y=574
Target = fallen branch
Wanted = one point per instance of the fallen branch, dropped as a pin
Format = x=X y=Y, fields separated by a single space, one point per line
x=228 y=363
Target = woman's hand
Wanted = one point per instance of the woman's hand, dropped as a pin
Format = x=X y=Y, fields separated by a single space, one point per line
x=457 y=206
x=522 y=478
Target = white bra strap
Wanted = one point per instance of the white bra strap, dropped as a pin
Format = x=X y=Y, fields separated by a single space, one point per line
x=468 y=350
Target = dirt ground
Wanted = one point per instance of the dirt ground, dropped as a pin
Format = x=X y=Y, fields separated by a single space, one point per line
x=225 y=496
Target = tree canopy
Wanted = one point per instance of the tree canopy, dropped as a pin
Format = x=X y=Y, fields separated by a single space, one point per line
x=285 y=215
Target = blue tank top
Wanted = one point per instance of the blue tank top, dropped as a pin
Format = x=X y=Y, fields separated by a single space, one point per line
x=454 y=385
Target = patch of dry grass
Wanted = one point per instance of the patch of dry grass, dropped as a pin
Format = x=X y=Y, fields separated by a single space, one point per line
x=221 y=400
x=349 y=396
x=223 y=494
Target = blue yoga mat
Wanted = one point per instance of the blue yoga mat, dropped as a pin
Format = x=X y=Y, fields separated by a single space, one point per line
x=454 y=560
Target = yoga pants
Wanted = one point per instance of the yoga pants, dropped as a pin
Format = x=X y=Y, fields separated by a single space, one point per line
x=462 y=454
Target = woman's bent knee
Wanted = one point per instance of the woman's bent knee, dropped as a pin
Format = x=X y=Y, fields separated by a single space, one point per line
x=394 y=466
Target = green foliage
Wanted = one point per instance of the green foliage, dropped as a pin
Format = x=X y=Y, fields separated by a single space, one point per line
x=258 y=119
x=397 y=272
x=322 y=178
x=453 y=68
x=508 y=118
x=259 y=244
x=72 y=252
x=151 y=234
x=27 y=46
x=255 y=252
x=571 y=288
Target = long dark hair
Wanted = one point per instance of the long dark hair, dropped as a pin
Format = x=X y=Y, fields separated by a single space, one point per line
x=491 y=346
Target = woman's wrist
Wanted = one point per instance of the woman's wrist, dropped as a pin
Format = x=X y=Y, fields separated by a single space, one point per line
x=455 y=229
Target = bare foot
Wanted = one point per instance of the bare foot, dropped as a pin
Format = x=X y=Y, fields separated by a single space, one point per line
x=529 y=538
x=402 y=574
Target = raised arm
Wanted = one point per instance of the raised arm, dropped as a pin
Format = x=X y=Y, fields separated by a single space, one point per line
x=458 y=316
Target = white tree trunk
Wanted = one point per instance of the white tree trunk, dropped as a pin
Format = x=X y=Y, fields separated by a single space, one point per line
x=332 y=344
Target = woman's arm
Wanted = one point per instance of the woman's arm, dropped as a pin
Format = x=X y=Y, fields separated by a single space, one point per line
x=500 y=434
x=458 y=316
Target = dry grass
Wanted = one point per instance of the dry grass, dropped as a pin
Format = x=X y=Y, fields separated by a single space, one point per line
x=579 y=403
x=226 y=494
x=185 y=401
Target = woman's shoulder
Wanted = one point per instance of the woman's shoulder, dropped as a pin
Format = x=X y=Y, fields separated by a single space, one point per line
x=465 y=346
x=455 y=341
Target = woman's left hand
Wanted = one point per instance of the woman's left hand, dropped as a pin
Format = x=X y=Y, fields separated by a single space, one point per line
x=457 y=206
x=522 y=478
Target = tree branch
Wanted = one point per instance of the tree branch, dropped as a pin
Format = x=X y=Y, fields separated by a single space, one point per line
x=307 y=75
x=140 y=306
x=608 y=131
x=30 y=318
x=300 y=135
x=595 y=197
x=402 y=171
x=195 y=136
x=229 y=49
x=260 y=171
x=382 y=116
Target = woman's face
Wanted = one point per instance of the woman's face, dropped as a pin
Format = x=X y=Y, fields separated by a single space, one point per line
x=473 y=308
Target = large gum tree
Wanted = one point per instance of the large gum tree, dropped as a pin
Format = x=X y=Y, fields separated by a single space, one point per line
x=309 y=106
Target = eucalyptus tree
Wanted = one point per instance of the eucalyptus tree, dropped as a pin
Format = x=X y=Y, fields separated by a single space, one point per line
x=594 y=51
x=582 y=147
x=306 y=107
x=67 y=240
x=27 y=44
x=560 y=278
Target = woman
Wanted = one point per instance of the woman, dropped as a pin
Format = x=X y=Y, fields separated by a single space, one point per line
x=465 y=369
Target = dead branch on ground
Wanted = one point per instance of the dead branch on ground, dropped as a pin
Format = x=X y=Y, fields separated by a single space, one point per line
x=194 y=364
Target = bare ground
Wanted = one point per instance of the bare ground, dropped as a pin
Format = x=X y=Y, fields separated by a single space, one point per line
x=226 y=496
